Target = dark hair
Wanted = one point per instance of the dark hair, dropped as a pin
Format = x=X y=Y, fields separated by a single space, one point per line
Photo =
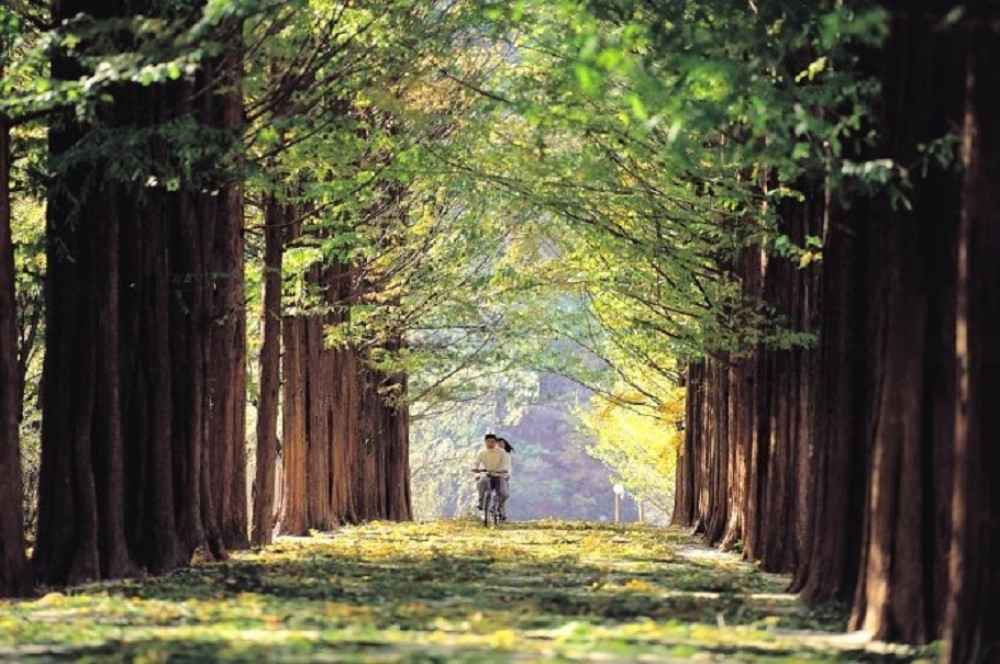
x=507 y=446
x=490 y=435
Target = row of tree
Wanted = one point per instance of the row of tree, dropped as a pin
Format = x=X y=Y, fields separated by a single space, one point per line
x=800 y=200
x=155 y=132
x=196 y=161
x=172 y=125
x=863 y=465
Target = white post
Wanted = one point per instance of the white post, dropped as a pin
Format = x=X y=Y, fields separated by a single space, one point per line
x=619 y=494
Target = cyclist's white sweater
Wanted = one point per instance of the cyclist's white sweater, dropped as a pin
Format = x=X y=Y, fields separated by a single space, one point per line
x=495 y=460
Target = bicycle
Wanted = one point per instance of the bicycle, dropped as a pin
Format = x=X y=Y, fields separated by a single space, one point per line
x=491 y=499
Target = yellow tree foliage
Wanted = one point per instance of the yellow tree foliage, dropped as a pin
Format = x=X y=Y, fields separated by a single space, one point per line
x=638 y=443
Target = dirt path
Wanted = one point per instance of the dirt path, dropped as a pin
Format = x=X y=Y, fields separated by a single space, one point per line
x=445 y=591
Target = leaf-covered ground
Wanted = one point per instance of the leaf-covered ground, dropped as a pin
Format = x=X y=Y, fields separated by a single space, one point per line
x=444 y=591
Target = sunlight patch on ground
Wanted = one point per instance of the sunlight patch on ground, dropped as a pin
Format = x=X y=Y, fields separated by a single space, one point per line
x=445 y=591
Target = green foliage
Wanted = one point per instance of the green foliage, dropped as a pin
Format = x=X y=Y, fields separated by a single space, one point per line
x=172 y=40
x=537 y=185
x=635 y=216
x=514 y=199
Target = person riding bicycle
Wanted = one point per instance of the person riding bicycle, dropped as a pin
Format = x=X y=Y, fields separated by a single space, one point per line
x=494 y=459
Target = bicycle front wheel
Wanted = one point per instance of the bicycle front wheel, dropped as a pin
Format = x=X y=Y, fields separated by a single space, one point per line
x=487 y=499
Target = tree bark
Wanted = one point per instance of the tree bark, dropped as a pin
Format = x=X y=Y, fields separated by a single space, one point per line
x=308 y=418
x=713 y=500
x=742 y=415
x=901 y=592
x=776 y=534
x=972 y=625
x=131 y=270
x=396 y=424
x=14 y=578
x=746 y=410
x=227 y=373
x=345 y=367
x=688 y=458
x=369 y=434
x=68 y=546
x=777 y=435
x=264 y=516
x=837 y=473
x=318 y=395
x=293 y=517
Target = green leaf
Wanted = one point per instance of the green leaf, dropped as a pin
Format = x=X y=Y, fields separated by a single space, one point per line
x=588 y=78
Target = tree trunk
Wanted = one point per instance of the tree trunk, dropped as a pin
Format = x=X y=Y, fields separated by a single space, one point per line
x=293 y=517
x=759 y=461
x=776 y=530
x=308 y=419
x=779 y=443
x=270 y=379
x=369 y=428
x=345 y=454
x=689 y=456
x=325 y=419
x=318 y=395
x=900 y=594
x=131 y=270
x=13 y=564
x=742 y=474
x=742 y=415
x=396 y=425
x=370 y=484
x=837 y=472
x=713 y=500
x=972 y=625
x=70 y=545
x=746 y=415
x=227 y=318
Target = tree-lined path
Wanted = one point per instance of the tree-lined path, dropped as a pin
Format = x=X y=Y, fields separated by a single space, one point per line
x=274 y=267
x=445 y=591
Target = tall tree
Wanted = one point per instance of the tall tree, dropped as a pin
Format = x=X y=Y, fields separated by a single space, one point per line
x=305 y=477
x=275 y=223
x=13 y=564
x=227 y=371
x=324 y=233
x=972 y=628
x=910 y=313
x=832 y=545
x=141 y=246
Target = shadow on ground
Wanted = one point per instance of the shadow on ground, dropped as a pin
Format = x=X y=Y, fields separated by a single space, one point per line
x=444 y=591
